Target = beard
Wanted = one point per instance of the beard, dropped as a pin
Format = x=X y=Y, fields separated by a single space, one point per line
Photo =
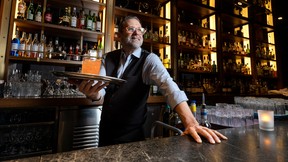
x=132 y=42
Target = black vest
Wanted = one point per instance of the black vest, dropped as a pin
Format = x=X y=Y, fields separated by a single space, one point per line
x=124 y=108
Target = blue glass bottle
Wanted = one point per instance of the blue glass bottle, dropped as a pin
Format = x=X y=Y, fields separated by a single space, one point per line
x=15 y=45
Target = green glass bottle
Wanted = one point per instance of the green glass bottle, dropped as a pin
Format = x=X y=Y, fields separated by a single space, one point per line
x=89 y=21
x=30 y=11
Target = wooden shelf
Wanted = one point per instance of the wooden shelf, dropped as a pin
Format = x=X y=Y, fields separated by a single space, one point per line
x=57 y=30
x=45 y=61
x=198 y=10
x=145 y=18
x=86 y=4
x=195 y=28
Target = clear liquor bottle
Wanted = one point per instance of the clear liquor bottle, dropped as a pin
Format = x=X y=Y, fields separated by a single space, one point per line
x=28 y=45
x=56 y=52
x=22 y=44
x=34 y=46
x=73 y=22
x=50 y=49
x=204 y=115
x=41 y=46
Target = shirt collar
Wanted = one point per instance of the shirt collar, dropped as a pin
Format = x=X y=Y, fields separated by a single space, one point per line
x=136 y=53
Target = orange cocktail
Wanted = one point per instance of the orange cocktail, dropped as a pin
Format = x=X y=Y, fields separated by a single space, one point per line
x=91 y=66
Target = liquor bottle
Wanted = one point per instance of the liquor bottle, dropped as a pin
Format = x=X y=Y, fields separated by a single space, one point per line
x=100 y=48
x=34 y=46
x=41 y=46
x=116 y=27
x=56 y=49
x=166 y=62
x=28 y=45
x=247 y=49
x=21 y=9
x=66 y=18
x=81 y=19
x=50 y=49
x=38 y=13
x=154 y=90
x=21 y=49
x=30 y=11
x=76 y=55
x=94 y=22
x=15 y=44
x=193 y=108
x=48 y=14
x=166 y=115
x=73 y=19
x=176 y=122
x=89 y=21
x=166 y=36
x=98 y=23
x=214 y=67
x=204 y=120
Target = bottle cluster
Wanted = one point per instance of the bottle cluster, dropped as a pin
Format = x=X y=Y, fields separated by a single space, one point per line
x=38 y=46
x=157 y=36
x=265 y=52
x=69 y=16
x=236 y=48
x=195 y=40
x=185 y=17
x=267 y=70
x=194 y=85
x=172 y=118
x=231 y=67
x=147 y=7
x=201 y=63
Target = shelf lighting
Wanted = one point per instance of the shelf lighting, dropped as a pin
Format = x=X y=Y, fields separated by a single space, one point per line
x=241 y=3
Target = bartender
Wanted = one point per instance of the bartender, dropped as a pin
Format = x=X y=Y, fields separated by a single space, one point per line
x=125 y=106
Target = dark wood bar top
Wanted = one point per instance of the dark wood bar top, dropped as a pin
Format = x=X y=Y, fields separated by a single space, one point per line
x=83 y=101
x=244 y=144
x=59 y=101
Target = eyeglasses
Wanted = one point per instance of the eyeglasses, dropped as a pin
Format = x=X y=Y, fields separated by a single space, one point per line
x=133 y=29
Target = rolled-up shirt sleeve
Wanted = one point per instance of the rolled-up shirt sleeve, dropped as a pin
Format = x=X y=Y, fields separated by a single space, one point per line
x=155 y=73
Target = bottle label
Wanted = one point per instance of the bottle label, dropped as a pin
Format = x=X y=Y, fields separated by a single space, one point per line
x=22 y=46
x=89 y=24
x=34 y=48
x=48 y=17
x=93 y=26
x=38 y=17
x=30 y=15
x=14 y=46
x=65 y=19
x=204 y=113
x=98 y=26
x=82 y=21
x=21 y=8
x=73 y=21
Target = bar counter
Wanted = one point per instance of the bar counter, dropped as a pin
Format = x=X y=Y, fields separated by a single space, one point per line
x=243 y=144
x=16 y=102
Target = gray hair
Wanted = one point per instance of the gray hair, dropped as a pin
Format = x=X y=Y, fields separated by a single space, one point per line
x=126 y=18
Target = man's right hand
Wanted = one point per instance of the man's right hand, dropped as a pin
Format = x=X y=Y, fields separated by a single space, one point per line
x=91 y=90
